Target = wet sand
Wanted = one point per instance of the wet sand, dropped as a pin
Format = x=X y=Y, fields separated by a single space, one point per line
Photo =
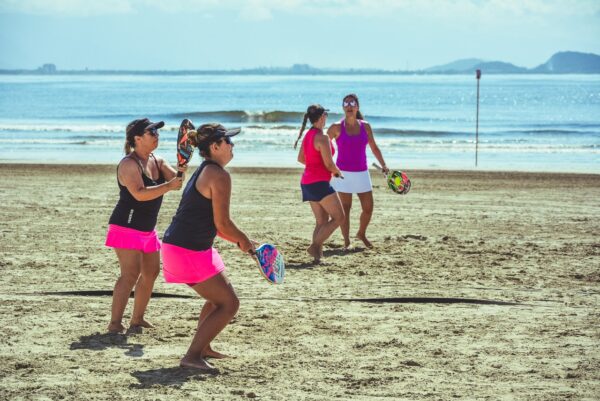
x=481 y=285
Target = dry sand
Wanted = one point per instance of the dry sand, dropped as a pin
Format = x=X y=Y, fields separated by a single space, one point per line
x=532 y=240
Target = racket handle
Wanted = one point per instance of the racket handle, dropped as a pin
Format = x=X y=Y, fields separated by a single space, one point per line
x=179 y=174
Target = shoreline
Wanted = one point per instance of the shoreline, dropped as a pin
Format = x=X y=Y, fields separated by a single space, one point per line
x=299 y=169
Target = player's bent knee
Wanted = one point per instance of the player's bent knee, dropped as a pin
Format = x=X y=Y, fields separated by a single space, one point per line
x=232 y=305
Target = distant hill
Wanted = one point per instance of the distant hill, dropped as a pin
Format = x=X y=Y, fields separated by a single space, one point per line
x=499 y=67
x=559 y=63
x=456 y=66
x=469 y=65
x=570 y=63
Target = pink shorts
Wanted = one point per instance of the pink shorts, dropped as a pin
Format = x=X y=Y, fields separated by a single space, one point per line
x=181 y=265
x=128 y=238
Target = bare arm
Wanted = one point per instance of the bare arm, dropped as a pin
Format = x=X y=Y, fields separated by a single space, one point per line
x=301 y=158
x=322 y=144
x=375 y=148
x=333 y=131
x=168 y=172
x=219 y=184
x=130 y=176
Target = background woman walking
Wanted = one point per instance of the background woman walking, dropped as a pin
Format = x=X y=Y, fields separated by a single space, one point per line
x=316 y=154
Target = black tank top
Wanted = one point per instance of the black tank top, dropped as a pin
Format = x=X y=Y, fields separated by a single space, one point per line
x=193 y=226
x=132 y=213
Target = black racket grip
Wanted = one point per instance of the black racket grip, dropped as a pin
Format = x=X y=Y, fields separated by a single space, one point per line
x=179 y=174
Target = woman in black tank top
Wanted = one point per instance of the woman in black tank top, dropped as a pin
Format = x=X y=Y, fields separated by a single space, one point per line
x=143 y=179
x=187 y=245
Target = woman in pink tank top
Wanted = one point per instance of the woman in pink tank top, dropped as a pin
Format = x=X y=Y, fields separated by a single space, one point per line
x=316 y=154
x=352 y=135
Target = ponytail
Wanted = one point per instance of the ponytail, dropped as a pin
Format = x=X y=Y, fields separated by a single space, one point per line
x=301 y=129
x=129 y=145
x=359 y=115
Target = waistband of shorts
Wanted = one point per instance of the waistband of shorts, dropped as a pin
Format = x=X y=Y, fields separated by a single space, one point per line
x=114 y=227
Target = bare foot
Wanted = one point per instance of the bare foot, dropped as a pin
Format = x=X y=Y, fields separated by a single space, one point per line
x=313 y=250
x=141 y=323
x=210 y=353
x=116 y=327
x=196 y=363
x=347 y=244
x=365 y=241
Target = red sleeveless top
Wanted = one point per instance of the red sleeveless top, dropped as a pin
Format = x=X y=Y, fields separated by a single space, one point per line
x=314 y=168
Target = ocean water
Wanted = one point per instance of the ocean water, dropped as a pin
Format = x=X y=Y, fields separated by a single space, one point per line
x=526 y=122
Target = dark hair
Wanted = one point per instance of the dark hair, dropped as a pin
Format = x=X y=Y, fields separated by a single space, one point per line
x=353 y=96
x=199 y=139
x=130 y=135
x=137 y=128
x=206 y=135
x=313 y=113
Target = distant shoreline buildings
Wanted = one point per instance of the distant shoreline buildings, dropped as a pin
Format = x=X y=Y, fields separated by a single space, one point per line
x=560 y=63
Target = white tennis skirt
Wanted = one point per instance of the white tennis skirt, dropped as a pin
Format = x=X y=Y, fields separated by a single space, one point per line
x=354 y=182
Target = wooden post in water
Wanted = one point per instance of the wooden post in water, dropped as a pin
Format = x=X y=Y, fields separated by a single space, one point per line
x=478 y=75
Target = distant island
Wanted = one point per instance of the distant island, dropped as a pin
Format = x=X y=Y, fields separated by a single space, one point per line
x=567 y=62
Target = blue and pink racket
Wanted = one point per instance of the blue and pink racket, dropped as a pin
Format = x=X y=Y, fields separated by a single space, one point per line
x=270 y=263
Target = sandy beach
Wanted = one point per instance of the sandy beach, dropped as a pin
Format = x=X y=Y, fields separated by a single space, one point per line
x=482 y=286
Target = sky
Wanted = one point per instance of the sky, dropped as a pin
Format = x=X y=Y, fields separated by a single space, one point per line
x=238 y=34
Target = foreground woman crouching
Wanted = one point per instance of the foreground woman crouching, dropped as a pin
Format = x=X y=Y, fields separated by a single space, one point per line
x=188 y=253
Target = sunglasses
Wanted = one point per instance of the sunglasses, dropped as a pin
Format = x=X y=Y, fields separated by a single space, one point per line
x=227 y=140
x=153 y=131
x=350 y=103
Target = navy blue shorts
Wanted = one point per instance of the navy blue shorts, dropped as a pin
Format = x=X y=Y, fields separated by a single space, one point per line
x=316 y=191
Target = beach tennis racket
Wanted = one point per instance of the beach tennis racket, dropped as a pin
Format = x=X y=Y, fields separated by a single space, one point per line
x=397 y=180
x=184 y=148
x=270 y=263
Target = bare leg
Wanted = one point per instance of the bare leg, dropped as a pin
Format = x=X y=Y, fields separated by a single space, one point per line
x=208 y=352
x=366 y=203
x=331 y=206
x=130 y=262
x=143 y=289
x=321 y=218
x=219 y=292
x=346 y=200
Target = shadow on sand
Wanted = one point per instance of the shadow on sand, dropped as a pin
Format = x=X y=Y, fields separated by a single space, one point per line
x=175 y=376
x=109 y=293
x=102 y=341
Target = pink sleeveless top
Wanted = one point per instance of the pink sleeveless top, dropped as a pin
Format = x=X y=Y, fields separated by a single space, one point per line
x=314 y=168
x=352 y=149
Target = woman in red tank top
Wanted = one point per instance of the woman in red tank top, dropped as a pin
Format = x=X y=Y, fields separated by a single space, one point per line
x=316 y=154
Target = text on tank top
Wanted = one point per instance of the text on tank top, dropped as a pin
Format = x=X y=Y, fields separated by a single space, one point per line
x=132 y=213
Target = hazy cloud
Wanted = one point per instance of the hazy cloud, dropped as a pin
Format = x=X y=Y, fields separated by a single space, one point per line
x=266 y=9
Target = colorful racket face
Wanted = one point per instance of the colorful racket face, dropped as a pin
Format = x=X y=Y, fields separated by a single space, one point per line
x=270 y=262
x=398 y=182
x=184 y=148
